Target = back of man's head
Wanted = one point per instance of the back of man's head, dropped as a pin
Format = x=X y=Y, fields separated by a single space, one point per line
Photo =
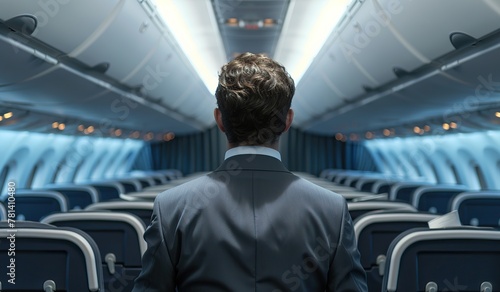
x=254 y=96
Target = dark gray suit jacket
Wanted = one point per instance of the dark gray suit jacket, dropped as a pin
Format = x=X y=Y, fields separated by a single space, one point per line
x=250 y=225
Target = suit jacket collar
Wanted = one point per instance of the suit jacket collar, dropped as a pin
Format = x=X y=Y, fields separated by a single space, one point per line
x=252 y=162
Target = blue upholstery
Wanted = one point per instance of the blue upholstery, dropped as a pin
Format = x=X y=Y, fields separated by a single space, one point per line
x=435 y=199
x=32 y=205
x=67 y=256
x=78 y=196
x=478 y=208
x=375 y=232
x=119 y=238
x=460 y=259
x=108 y=191
x=403 y=191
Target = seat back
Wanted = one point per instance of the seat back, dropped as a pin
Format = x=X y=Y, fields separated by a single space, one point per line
x=66 y=256
x=357 y=209
x=374 y=233
x=143 y=210
x=436 y=199
x=32 y=205
x=119 y=238
x=443 y=260
x=403 y=191
x=478 y=208
x=78 y=196
x=108 y=191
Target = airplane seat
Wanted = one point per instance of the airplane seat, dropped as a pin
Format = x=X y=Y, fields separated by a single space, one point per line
x=357 y=209
x=365 y=184
x=143 y=210
x=48 y=258
x=404 y=190
x=107 y=190
x=119 y=238
x=33 y=205
x=374 y=233
x=480 y=208
x=455 y=259
x=436 y=199
x=78 y=196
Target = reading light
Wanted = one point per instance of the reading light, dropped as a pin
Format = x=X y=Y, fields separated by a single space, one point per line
x=453 y=125
x=8 y=115
x=339 y=136
x=446 y=126
x=55 y=125
x=416 y=130
x=497 y=114
x=81 y=128
x=387 y=132
x=369 y=135
x=61 y=126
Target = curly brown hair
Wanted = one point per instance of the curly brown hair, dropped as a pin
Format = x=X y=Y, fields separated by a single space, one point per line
x=254 y=96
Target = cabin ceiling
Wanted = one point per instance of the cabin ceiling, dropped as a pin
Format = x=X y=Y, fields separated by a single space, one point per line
x=388 y=66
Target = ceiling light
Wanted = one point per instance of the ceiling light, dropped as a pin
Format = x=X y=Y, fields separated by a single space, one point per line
x=339 y=136
x=135 y=134
x=303 y=36
x=387 y=132
x=168 y=136
x=198 y=38
x=8 y=115
x=61 y=126
x=427 y=128
x=446 y=126
x=81 y=128
x=232 y=21
x=55 y=125
x=369 y=135
x=497 y=114
x=149 y=136
x=416 y=130
x=118 y=132
x=90 y=129
x=1 y=118
x=453 y=125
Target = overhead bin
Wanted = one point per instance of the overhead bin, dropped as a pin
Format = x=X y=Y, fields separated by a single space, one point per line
x=65 y=24
x=125 y=41
x=426 y=25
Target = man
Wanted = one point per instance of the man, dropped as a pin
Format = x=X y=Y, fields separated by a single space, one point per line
x=251 y=225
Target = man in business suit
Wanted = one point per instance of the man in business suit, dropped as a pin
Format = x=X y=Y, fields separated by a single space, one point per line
x=251 y=225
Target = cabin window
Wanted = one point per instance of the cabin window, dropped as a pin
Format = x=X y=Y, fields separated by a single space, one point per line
x=480 y=177
x=31 y=177
x=455 y=173
x=434 y=171
x=417 y=169
x=75 y=171
x=385 y=165
x=57 y=171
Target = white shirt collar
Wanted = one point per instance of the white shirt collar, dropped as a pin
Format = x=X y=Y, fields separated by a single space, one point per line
x=253 y=150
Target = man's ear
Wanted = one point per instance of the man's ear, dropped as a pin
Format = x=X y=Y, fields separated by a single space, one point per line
x=289 y=119
x=218 y=119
